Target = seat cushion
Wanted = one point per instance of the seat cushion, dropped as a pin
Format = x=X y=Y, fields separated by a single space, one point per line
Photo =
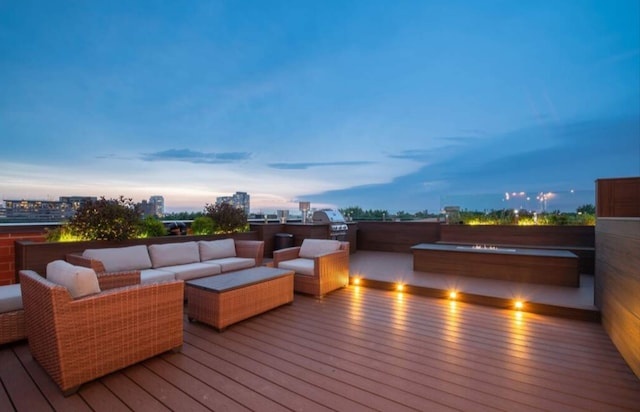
x=299 y=265
x=311 y=248
x=120 y=259
x=217 y=249
x=78 y=280
x=171 y=254
x=148 y=276
x=233 y=263
x=10 y=298
x=193 y=270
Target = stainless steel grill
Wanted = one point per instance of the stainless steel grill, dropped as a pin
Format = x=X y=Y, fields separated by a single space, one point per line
x=338 y=227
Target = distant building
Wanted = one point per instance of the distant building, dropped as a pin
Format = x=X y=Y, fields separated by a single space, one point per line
x=153 y=207
x=240 y=200
x=43 y=210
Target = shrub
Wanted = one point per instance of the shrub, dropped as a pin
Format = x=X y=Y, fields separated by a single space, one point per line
x=203 y=225
x=106 y=219
x=227 y=218
x=152 y=227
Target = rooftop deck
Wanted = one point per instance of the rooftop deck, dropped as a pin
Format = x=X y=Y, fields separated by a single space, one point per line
x=358 y=349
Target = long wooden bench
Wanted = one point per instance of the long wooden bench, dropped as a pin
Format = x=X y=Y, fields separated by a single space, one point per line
x=545 y=266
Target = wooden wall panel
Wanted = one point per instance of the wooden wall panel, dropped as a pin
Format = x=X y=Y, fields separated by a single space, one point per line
x=618 y=197
x=617 y=284
x=396 y=236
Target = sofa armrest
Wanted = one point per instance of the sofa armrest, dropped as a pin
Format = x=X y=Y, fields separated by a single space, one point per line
x=250 y=249
x=79 y=260
x=112 y=280
x=331 y=264
x=285 y=254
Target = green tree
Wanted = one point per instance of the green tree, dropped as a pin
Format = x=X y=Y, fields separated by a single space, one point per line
x=227 y=218
x=106 y=219
x=588 y=209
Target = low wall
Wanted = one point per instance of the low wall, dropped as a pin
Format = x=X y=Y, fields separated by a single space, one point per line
x=396 y=236
x=8 y=253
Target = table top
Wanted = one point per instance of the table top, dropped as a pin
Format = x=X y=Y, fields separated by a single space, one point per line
x=237 y=279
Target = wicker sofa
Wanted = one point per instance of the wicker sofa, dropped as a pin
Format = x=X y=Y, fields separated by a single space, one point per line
x=79 y=328
x=320 y=265
x=170 y=261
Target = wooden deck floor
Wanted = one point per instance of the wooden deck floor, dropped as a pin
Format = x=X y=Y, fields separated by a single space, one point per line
x=358 y=349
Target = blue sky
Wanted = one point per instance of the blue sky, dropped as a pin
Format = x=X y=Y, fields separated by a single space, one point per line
x=397 y=105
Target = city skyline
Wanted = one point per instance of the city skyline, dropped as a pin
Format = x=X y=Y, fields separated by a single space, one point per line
x=370 y=104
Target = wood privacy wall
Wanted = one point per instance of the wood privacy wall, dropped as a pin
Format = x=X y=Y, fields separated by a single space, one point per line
x=618 y=197
x=617 y=284
x=617 y=280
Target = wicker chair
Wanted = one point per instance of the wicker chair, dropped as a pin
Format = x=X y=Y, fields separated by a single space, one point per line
x=320 y=266
x=79 y=340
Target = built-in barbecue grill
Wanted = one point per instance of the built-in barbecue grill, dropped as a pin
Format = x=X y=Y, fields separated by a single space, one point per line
x=338 y=228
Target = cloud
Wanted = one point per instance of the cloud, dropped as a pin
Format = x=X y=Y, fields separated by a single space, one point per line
x=573 y=155
x=308 y=165
x=190 y=156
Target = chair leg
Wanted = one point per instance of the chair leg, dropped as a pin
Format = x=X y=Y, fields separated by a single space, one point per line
x=71 y=391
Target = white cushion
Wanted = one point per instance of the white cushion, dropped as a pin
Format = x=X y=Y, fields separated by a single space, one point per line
x=193 y=270
x=300 y=266
x=119 y=259
x=148 y=276
x=171 y=254
x=80 y=281
x=217 y=249
x=314 y=247
x=233 y=263
x=10 y=298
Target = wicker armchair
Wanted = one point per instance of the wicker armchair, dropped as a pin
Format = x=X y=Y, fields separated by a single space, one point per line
x=79 y=340
x=320 y=266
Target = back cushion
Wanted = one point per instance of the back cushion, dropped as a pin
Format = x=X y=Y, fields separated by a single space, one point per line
x=119 y=259
x=217 y=249
x=80 y=281
x=171 y=254
x=313 y=247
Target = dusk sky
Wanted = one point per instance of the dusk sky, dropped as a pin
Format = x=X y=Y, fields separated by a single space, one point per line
x=397 y=105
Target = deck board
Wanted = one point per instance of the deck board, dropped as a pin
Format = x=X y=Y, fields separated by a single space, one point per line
x=357 y=349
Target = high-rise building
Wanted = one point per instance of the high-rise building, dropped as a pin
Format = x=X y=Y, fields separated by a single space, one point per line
x=157 y=203
x=44 y=210
x=241 y=200
x=153 y=207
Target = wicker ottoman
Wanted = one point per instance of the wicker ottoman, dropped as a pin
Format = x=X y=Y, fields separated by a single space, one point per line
x=225 y=299
x=11 y=314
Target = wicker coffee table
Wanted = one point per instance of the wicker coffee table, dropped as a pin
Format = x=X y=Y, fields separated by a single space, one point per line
x=222 y=300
